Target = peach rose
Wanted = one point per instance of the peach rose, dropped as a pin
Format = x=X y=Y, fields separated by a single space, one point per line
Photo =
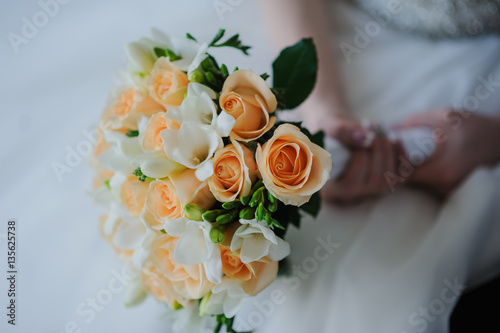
x=158 y=285
x=100 y=177
x=123 y=253
x=247 y=98
x=292 y=167
x=101 y=146
x=167 y=84
x=187 y=280
x=133 y=195
x=166 y=198
x=255 y=276
x=126 y=108
x=234 y=172
x=151 y=138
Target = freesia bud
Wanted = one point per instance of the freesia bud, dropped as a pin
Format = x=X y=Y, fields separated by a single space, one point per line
x=211 y=215
x=247 y=213
x=194 y=212
x=203 y=304
x=197 y=76
x=217 y=234
x=231 y=205
x=135 y=294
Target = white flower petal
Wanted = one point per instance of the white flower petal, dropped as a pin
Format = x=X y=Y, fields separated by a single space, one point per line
x=192 y=144
x=156 y=164
x=213 y=267
x=192 y=247
x=129 y=234
x=113 y=160
x=254 y=248
x=196 y=89
x=226 y=298
x=139 y=55
x=280 y=251
x=169 y=137
x=225 y=123
x=175 y=228
x=205 y=171
x=135 y=293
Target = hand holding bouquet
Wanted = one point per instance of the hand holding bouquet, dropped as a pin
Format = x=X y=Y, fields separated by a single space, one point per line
x=199 y=179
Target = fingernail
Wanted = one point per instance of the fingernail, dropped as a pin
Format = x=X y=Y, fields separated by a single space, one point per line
x=358 y=136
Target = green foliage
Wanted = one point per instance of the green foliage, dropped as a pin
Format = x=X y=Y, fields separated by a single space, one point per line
x=294 y=73
x=160 y=52
x=233 y=41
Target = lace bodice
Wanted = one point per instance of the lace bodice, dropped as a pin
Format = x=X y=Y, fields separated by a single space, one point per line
x=438 y=18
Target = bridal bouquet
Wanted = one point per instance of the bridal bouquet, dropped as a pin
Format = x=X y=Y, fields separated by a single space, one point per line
x=199 y=178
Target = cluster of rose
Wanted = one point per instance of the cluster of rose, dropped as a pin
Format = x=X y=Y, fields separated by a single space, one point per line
x=198 y=177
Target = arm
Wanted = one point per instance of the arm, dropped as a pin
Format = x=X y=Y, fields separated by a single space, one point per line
x=327 y=109
x=289 y=21
x=464 y=141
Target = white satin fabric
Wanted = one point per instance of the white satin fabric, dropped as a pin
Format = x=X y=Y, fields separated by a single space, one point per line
x=400 y=261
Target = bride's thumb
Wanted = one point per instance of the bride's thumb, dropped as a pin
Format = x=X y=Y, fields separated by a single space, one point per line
x=352 y=135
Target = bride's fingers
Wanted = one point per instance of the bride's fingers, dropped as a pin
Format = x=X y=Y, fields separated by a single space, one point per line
x=391 y=161
x=356 y=175
x=378 y=156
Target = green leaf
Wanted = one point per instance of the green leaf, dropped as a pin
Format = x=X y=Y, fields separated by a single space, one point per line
x=159 y=52
x=233 y=41
x=313 y=205
x=294 y=72
x=317 y=138
x=264 y=76
x=217 y=37
x=189 y=36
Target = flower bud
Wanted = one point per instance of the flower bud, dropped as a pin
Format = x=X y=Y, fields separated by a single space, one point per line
x=272 y=207
x=135 y=294
x=194 y=212
x=210 y=78
x=197 y=76
x=227 y=218
x=245 y=200
x=231 y=205
x=247 y=213
x=217 y=234
x=257 y=197
x=260 y=212
x=177 y=306
x=203 y=304
x=211 y=215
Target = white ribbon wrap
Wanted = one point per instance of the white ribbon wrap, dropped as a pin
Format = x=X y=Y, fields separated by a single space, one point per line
x=417 y=142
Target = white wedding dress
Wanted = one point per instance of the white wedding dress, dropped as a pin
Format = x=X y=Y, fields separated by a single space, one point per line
x=398 y=263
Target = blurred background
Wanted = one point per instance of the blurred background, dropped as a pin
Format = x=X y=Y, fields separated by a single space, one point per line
x=54 y=82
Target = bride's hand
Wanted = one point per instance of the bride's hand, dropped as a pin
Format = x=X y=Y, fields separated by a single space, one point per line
x=464 y=141
x=364 y=175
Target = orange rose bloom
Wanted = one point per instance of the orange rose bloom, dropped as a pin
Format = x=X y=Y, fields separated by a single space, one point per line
x=292 y=167
x=247 y=98
x=151 y=138
x=234 y=172
x=167 y=84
